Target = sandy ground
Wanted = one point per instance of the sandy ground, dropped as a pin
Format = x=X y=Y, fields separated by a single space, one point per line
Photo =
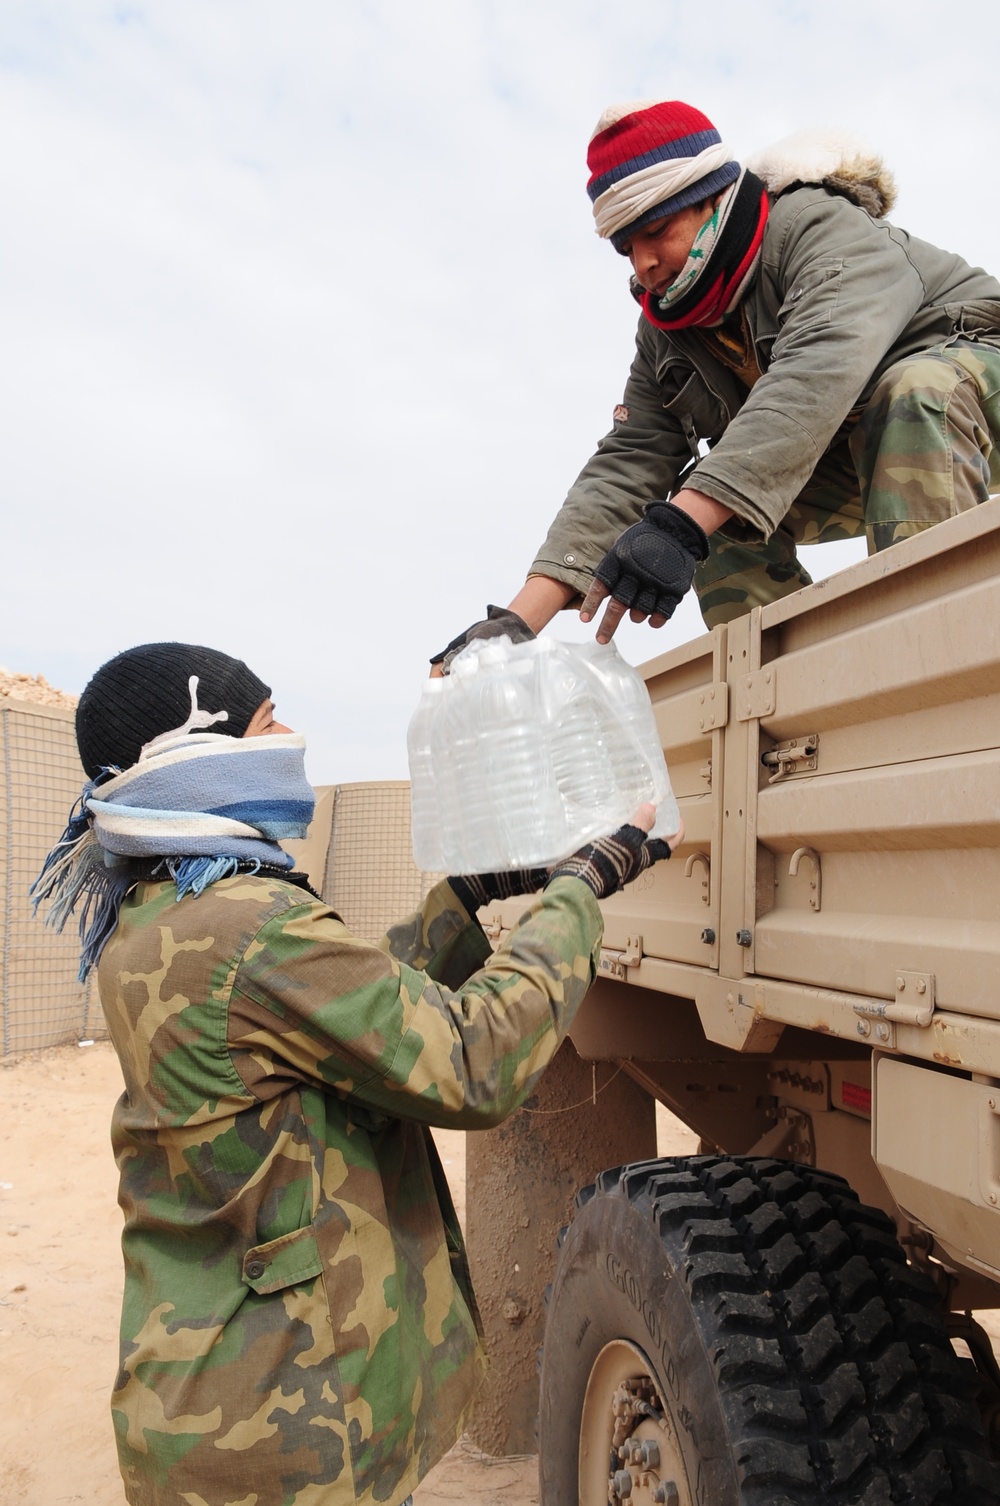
x=60 y=1287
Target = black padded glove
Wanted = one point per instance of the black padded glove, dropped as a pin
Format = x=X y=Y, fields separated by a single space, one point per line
x=610 y=862
x=499 y=621
x=475 y=889
x=650 y=565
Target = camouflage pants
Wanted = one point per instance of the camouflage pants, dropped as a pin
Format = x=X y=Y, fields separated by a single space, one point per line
x=920 y=450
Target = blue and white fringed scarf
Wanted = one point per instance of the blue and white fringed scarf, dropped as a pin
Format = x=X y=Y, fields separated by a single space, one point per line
x=202 y=803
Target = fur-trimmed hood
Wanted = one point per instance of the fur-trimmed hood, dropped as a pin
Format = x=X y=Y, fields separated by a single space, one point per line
x=834 y=159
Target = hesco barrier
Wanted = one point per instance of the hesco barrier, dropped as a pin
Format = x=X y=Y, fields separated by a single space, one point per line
x=357 y=855
x=40 y=778
x=371 y=879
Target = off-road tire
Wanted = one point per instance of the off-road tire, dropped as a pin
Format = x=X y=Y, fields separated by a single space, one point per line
x=790 y=1352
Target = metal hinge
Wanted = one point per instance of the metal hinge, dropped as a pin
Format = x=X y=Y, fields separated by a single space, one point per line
x=714 y=707
x=797 y=756
x=756 y=694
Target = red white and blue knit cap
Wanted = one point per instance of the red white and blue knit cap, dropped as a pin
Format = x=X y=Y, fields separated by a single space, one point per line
x=651 y=158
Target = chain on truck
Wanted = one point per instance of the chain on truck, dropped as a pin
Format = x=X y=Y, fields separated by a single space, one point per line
x=812 y=986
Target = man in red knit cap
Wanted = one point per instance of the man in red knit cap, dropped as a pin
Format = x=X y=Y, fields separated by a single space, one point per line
x=804 y=371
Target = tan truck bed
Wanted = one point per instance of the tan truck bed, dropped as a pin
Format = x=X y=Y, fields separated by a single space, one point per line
x=814 y=976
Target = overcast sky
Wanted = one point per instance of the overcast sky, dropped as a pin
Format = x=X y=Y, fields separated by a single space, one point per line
x=305 y=326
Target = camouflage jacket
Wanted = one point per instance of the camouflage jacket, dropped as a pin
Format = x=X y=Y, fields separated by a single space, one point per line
x=298 y=1324
x=839 y=298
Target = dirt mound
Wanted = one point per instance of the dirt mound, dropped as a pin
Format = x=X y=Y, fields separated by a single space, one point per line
x=33 y=688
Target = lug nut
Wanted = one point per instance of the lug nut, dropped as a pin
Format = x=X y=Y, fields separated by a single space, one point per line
x=666 y=1494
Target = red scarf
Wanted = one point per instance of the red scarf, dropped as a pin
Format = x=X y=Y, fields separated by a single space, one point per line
x=728 y=268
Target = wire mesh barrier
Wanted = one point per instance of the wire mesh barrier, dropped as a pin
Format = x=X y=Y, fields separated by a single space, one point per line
x=358 y=851
x=40 y=777
x=371 y=878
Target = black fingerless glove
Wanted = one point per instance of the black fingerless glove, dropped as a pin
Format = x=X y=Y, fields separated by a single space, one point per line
x=610 y=862
x=651 y=564
x=476 y=889
x=498 y=622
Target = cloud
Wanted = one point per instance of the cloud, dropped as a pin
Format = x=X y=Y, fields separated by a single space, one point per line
x=306 y=329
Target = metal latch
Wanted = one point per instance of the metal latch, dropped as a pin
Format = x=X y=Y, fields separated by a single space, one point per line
x=610 y=965
x=797 y=756
x=914 y=1001
x=632 y=954
x=615 y=964
x=913 y=1005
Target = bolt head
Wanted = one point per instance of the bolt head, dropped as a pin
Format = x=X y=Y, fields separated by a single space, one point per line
x=666 y=1494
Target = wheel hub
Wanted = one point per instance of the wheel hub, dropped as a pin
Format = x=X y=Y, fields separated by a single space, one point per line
x=630 y=1452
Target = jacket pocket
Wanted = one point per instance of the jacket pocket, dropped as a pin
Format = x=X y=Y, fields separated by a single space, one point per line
x=981 y=317
x=286 y=1261
x=694 y=407
x=812 y=298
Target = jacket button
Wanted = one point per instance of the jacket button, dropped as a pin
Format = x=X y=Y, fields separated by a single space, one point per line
x=255 y=1269
x=569 y=559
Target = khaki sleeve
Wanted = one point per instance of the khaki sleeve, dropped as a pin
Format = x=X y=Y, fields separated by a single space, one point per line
x=850 y=289
x=637 y=462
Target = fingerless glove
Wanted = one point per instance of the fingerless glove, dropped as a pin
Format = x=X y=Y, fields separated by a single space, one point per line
x=650 y=565
x=610 y=862
x=476 y=889
x=499 y=621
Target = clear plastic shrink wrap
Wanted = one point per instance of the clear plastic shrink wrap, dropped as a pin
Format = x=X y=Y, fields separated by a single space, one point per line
x=526 y=751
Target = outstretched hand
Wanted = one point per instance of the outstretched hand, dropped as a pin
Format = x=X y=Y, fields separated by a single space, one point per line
x=606 y=865
x=648 y=568
x=614 y=612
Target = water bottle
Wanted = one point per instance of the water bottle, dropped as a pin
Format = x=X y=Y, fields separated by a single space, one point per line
x=430 y=812
x=581 y=750
x=527 y=751
x=469 y=843
x=530 y=819
x=637 y=752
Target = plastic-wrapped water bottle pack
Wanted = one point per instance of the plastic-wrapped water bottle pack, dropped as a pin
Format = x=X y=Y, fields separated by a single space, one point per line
x=526 y=751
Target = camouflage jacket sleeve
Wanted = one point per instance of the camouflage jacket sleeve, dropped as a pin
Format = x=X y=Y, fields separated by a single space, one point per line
x=352 y=1018
x=439 y=939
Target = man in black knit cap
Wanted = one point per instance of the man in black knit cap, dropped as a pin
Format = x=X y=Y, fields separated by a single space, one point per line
x=298 y=1322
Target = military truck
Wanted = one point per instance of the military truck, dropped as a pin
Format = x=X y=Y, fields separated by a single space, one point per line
x=811 y=984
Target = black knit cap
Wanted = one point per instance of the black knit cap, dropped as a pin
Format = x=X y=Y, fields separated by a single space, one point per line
x=144 y=692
